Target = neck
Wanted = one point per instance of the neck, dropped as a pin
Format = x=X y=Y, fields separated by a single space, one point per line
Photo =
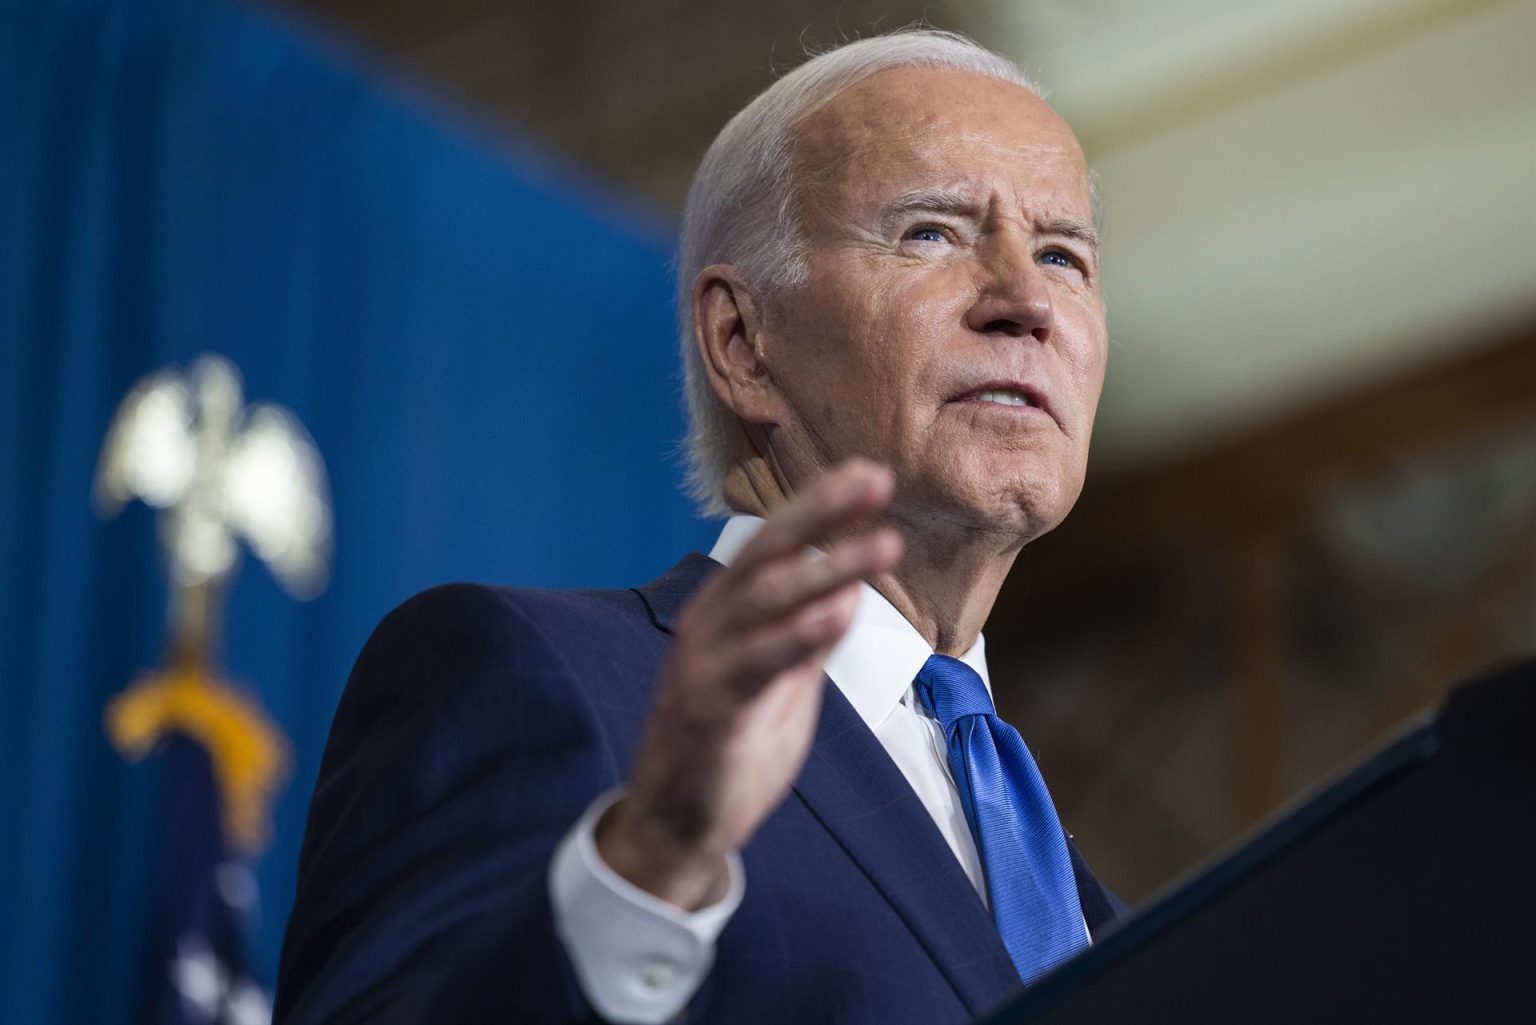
x=946 y=586
x=753 y=485
x=948 y=579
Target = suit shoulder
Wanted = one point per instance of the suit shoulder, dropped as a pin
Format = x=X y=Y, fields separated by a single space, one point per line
x=528 y=633
x=465 y=612
x=456 y=675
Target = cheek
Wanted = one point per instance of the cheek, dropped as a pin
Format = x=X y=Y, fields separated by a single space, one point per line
x=918 y=318
x=1087 y=369
x=866 y=332
x=932 y=298
x=863 y=354
x=826 y=353
x=1086 y=354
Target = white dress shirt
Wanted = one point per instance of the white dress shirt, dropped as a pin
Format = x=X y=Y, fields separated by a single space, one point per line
x=639 y=960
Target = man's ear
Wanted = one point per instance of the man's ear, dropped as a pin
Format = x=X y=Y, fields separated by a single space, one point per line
x=727 y=324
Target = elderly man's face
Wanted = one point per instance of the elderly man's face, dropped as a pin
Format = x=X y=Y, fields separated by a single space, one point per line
x=951 y=324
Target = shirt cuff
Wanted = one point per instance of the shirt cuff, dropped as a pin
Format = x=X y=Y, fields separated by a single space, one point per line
x=638 y=959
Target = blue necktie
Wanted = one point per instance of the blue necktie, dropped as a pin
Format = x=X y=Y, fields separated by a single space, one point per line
x=1022 y=845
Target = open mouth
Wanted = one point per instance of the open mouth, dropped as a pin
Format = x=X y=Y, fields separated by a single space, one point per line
x=1014 y=394
x=1005 y=397
x=1009 y=398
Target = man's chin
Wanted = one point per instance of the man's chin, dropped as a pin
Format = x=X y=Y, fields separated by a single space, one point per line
x=1006 y=517
x=1029 y=499
x=1032 y=509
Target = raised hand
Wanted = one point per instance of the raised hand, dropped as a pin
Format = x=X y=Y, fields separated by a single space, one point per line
x=737 y=702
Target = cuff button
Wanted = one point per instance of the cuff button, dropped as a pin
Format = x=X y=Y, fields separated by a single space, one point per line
x=658 y=974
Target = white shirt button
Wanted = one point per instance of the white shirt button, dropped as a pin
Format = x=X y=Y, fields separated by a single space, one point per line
x=658 y=974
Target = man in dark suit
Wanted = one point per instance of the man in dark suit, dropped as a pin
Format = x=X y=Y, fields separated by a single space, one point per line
x=650 y=805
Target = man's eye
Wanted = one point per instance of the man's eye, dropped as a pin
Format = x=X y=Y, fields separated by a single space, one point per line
x=927 y=234
x=1057 y=258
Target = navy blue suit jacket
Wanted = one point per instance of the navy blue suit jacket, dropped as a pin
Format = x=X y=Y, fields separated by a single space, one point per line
x=477 y=726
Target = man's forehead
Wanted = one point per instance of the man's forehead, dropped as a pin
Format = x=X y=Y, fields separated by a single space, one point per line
x=940 y=126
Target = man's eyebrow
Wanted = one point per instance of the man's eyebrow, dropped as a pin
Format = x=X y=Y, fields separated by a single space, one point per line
x=1076 y=230
x=930 y=199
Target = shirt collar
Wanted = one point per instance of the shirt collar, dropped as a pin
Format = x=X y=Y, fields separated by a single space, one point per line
x=880 y=655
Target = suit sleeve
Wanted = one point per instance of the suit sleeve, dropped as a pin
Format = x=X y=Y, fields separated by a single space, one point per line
x=460 y=754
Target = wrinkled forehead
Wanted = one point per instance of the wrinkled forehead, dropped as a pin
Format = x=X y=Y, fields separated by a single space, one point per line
x=910 y=127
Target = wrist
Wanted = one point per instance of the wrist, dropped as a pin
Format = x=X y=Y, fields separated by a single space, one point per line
x=647 y=855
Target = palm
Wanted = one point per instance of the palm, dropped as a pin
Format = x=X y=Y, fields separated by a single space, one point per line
x=765 y=758
x=736 y=707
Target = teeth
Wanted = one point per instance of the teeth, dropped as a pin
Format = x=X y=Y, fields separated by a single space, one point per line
x=1007 y=398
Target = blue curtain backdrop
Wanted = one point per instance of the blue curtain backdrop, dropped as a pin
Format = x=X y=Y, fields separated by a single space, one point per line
x=480 y=343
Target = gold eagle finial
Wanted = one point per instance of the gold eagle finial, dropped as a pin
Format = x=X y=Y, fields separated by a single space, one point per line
x=220 y=473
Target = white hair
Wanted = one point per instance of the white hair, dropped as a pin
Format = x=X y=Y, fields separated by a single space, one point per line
x=741 y=208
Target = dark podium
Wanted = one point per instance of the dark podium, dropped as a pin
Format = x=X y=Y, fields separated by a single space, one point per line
x=1403 y=892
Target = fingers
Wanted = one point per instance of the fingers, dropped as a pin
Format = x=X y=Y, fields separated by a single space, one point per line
x=784 y=586
x=810 y=632
x=854 y=489
x=775 y=575
x=735 y=707
x=780 y=606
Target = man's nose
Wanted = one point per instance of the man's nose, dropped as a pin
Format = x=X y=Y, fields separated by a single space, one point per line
x=1014 y=298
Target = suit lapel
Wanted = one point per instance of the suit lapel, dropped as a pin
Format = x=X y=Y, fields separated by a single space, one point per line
x=1101 y=909
x=851 y=786
x=664 y=596
x=856 y=792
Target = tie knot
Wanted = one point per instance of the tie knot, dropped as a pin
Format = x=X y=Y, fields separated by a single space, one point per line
x=952 y=690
